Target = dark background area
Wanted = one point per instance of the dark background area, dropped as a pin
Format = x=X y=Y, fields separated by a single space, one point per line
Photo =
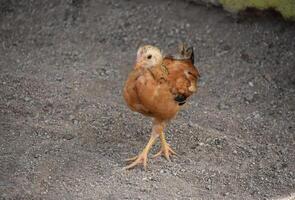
x=65 y=129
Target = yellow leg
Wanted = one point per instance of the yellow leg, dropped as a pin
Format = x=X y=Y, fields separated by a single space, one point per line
x=142 y=157
x=166 y=150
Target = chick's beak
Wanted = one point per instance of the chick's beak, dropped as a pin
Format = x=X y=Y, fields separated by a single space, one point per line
x=139 y=59
x=138 y=64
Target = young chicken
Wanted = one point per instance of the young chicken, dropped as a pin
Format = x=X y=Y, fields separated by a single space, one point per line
x=157 y=87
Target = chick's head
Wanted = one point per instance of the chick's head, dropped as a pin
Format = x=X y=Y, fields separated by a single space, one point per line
x=148 y=56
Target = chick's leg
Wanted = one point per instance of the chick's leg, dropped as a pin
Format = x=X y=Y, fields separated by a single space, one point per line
x=166 y=150
x=142 y=157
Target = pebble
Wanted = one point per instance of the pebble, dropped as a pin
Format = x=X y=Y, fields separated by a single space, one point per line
x=36 y=155
x=68 y=136
x=59 y=78
x=250 y=97
x=182 y=170
x=223 y=106
x=226 y=194
x=27 y=99
x=208 y=187
x=71 y=117
x=75 y=122
x=217 y=141
x=246 y=57
x=268 y=77
x=191 y=124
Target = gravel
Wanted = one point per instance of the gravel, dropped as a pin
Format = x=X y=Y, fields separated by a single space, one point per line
x=65 y=129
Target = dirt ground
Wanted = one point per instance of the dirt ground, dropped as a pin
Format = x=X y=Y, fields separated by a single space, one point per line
x=65 y=129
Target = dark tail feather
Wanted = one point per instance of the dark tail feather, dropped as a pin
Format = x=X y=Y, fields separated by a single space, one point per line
x=186 y=52
x=180 y=99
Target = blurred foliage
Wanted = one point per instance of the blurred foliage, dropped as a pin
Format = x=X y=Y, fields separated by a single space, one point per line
x=285 y=7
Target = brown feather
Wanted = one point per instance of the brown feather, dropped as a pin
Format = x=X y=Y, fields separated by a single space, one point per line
x=157 y=91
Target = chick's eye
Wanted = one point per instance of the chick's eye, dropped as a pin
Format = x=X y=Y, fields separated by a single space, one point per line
x=149 y=56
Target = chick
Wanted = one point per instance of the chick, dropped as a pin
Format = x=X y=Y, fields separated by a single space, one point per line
x=156 y=88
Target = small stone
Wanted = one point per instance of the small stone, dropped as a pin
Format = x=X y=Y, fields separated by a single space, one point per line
x=216 y=141
x=75 y=122
x=246 y=57
x=27 y=99
x=284 y=165
x=250 y=97
x=36 y=155
x=71 y=117
x=59 y=78
x=223 y=106
x=68 y=136
x=208 y=187
x=225 y=194
x=226 y=47
x=174 y=173
x=218 y=54
x=251 y=84
x=191 y=124
x=256 y=115
x=268 y=77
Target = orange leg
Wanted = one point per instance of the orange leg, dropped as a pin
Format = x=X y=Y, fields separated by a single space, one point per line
x=166 y=150
x=142 y=157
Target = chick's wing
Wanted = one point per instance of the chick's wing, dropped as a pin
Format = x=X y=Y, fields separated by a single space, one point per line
x=156 y=96
x=130 y=92
x=182 y=76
